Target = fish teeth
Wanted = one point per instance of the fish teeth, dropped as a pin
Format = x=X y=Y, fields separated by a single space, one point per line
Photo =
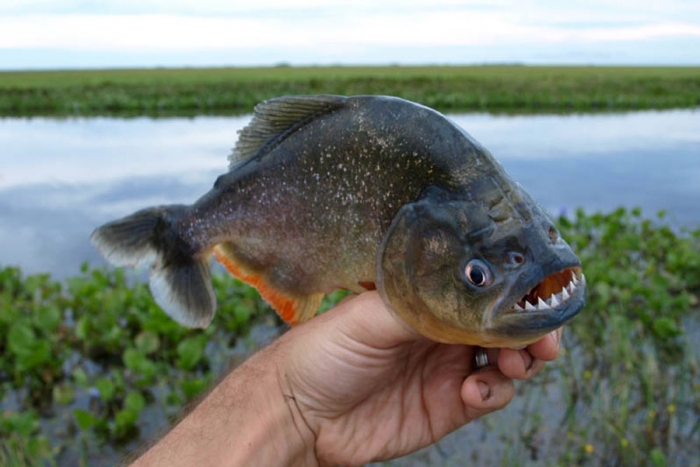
x=553 y=301
x=564 y=295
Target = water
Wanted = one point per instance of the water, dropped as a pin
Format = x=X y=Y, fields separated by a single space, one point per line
x=61 y=178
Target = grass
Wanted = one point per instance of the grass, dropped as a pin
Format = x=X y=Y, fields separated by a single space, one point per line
x=163 y=92
x=96 y=357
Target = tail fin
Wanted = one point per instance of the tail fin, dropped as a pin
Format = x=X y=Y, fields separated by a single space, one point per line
x=180 y=280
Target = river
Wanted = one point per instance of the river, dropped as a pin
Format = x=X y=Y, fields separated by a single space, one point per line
x=59 y=179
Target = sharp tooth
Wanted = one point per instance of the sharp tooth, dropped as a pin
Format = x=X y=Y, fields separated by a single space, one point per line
x=570 y=288
x=554 y=301
x=564 y=295
x=517 y=307
x=541 y=304
x=574 y=280
x=529 y=306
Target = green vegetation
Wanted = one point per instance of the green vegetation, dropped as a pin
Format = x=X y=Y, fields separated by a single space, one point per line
x=97 y=358
x=632 y=374
x=161 y=92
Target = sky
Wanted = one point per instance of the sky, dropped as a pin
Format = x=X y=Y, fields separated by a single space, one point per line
x=65 y=34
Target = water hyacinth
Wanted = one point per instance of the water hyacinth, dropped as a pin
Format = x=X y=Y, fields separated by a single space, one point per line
x=612 y=378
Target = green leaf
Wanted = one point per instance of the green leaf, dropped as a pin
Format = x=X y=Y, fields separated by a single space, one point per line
x=106 y=388
x=47 y=317
x=193 y=388
x=133 y=359
x=84 y=419
x=135 y=401
x=38 y=447
x=190 y=351
x=139 y=363
x=23 y=424
x=40 y=354
x=82 y=328
x=147 y=342
x=80 y=377
x=658 y=459
x=124 y=420
x=21 y=339
x=148 y=368
x=665 y=328
x=242 y=313
x=63 y=394
x=173 y=399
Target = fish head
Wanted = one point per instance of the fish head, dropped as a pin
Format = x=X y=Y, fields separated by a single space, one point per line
x=463 y=269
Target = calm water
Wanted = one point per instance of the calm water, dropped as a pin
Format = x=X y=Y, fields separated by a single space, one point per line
x=61 y=178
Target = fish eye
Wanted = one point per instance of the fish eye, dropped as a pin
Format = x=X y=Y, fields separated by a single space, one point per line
x=478 y=273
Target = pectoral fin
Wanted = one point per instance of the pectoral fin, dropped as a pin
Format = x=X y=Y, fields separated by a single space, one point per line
x=293 y=309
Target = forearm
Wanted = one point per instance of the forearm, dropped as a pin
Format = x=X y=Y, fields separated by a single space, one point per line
x=248 y=419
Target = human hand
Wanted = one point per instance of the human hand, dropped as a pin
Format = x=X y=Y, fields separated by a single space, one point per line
x=353 y=385
x=364 y=386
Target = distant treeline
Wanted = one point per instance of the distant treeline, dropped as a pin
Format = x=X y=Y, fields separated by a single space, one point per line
x=224 y=91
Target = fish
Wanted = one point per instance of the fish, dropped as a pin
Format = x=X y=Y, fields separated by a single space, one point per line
x=329 y=192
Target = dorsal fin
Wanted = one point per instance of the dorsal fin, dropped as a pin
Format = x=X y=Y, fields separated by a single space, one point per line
x=275 y=119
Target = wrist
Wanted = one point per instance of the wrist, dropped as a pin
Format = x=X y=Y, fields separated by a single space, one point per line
x=247 y=420
x=280 y=436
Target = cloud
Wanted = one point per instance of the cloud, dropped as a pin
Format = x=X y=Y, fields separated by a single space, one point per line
x=327 y=31
x=179 y=32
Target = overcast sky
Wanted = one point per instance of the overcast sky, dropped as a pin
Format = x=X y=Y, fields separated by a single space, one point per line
x=147 y=33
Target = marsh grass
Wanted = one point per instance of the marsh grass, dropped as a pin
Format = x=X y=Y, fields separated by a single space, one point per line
x=90 y=366
x=183 y=92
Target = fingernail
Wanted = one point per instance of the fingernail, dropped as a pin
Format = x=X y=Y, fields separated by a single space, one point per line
x=555 y=336
x=484 y=390
x=527 y=359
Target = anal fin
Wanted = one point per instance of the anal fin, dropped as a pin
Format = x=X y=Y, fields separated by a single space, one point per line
x=292 y=309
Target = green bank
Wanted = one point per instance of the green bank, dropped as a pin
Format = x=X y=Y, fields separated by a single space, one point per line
x=227 y=91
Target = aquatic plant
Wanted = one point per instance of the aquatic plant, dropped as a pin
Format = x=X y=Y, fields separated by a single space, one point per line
x=632 y=372
x=94 y=359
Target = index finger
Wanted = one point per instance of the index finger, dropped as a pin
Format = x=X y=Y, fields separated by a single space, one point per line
x=546 y=348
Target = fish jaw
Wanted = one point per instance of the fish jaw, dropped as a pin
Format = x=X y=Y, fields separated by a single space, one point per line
x=546 y=306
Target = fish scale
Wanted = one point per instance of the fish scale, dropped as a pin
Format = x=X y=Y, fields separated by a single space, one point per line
x=328 y=192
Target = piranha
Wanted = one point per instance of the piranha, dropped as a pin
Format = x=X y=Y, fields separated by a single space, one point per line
x=330 y=192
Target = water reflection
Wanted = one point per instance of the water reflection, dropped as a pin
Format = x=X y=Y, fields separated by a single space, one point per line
x=61 y=178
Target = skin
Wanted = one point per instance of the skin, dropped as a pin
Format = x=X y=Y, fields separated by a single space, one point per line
x=354 y=385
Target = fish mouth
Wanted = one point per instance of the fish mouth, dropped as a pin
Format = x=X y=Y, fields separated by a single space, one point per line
x=554 y=292
x=549 y=304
